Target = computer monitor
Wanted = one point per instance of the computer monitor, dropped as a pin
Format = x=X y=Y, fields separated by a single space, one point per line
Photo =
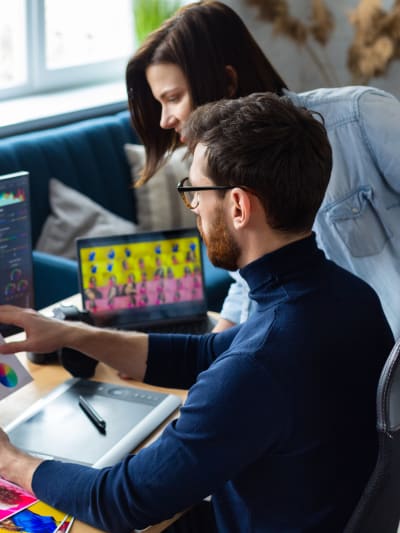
x=16 y=269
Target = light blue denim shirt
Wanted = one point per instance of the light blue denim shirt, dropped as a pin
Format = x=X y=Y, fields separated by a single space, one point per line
x=358 y=224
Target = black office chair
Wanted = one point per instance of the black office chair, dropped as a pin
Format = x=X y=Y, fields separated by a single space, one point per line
x=378 y=510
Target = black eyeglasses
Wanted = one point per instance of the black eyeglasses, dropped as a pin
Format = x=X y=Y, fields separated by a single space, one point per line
x=189 y=196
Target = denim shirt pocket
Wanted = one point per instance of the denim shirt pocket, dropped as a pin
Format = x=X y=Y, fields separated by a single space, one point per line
x=357 y=222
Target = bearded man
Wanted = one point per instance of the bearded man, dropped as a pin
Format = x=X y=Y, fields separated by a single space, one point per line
x=279 y=422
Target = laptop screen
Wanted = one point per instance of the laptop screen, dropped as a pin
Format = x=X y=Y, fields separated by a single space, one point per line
x=16 y=272
x=142 y=279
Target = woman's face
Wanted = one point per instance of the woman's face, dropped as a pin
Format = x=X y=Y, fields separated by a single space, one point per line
x=170 y=87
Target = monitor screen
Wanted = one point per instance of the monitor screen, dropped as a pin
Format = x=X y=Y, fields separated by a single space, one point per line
x=16 y=271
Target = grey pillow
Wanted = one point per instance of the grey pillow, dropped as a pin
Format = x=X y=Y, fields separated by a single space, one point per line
x=157 y=201
x=75 y=215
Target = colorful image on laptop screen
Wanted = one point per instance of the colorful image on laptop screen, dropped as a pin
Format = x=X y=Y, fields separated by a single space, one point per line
x=152 y=275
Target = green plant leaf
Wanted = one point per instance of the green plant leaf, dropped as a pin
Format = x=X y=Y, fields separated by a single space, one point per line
x=150 y=14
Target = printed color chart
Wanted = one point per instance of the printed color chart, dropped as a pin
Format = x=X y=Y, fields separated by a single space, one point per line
x=8 y=376
x=13 y=375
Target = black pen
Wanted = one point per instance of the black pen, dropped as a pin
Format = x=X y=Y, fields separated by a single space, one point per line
x=92 y=414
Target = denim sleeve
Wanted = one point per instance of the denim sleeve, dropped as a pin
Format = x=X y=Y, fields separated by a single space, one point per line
x=237 y=305
x=380 y=124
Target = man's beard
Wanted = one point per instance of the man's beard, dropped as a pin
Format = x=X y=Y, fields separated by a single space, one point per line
x=222 y=249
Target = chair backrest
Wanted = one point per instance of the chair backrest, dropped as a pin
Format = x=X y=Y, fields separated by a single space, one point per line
x=378 y=510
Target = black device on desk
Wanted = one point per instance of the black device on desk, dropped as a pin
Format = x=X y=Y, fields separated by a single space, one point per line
x=77 y=363
x=114 y=421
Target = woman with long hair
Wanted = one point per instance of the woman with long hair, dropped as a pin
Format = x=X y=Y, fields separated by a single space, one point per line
x=205 y=53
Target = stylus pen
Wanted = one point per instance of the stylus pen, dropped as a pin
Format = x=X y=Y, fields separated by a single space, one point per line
x=92 y=414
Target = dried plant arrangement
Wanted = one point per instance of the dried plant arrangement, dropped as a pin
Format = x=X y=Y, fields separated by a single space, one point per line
x=317 y=30
x=376 y=39
x=375 y=44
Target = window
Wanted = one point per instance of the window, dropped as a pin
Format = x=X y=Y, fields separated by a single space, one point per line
x=49 y=44
x=13 y=65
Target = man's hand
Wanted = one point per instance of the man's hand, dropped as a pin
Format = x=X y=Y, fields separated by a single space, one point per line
x=16 y=466
x=43 y=335
x=124 y=351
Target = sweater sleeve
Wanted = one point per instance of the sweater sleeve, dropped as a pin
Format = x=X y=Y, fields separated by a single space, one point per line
x=185 y=464
x=176 y=360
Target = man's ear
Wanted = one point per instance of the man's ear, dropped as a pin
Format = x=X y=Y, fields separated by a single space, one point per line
x=232 y=81
x=240 y=208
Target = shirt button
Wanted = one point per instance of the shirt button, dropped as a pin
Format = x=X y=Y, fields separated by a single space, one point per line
x=354 y=210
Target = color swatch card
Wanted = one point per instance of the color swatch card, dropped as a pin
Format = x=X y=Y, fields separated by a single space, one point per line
x=13 y=375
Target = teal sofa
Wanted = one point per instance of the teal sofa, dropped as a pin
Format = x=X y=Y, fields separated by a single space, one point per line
x=87 y=156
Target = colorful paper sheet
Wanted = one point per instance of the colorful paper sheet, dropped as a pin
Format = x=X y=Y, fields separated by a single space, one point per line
x=13 y=499
x=38 y=518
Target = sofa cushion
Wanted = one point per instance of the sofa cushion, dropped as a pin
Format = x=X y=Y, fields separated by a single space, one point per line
x=158 y=205
x=75 y=215
x=55 y=278
x=87 y=156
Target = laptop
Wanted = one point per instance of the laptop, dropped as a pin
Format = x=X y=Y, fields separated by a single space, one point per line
x=16 y=270
x=152 y=281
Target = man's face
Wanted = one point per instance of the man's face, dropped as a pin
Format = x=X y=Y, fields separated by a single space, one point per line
x=222 y=248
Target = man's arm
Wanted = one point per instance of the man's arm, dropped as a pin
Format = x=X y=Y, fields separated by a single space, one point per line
x=158 y=481
x=124 y=351
x=15 y=465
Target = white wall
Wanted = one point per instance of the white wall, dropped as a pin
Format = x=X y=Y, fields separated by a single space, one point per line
x=294 y=63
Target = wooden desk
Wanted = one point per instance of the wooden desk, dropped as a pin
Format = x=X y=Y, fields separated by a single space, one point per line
x=48 y=376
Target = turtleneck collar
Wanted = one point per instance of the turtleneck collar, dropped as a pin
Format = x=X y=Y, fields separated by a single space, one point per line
x=282 y=264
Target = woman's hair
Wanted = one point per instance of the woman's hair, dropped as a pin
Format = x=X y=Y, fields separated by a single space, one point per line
x=202 y=39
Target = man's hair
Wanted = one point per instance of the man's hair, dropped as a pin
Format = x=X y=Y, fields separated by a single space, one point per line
x=266 y=143
x=202 y=39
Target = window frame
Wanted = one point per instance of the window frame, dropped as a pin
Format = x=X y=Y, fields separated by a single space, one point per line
x=41 y=80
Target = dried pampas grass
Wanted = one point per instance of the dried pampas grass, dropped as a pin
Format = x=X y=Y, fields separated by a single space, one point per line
x=277 y=12
x=322 y=23
x=376 y=39
x=318 y=28
x=270 y=10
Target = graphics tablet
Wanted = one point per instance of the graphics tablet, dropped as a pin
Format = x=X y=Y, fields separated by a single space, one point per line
x=56 y=427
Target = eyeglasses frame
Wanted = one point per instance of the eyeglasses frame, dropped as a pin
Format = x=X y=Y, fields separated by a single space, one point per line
x=182 y=189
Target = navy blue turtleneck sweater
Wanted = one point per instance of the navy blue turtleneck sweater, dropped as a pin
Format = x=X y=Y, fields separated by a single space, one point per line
x=279 y=424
